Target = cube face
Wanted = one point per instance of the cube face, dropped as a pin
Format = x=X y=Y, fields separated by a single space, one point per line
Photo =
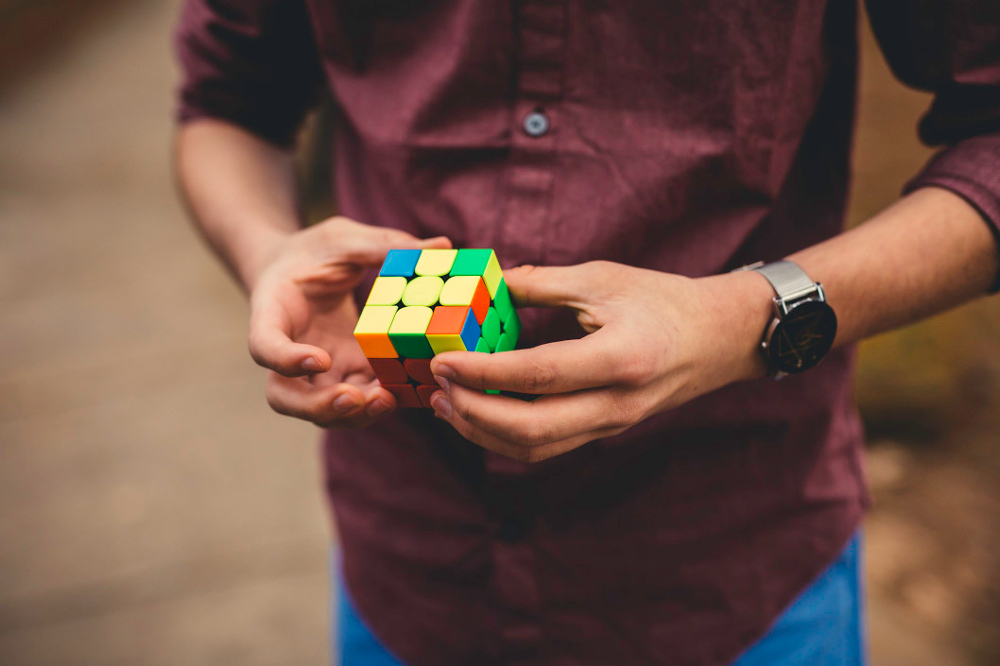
x=425 y=302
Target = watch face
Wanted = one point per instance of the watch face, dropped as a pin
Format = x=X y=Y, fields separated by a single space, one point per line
x=802 y=337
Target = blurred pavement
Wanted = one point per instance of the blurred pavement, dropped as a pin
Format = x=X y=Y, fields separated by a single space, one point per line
x=152 y=509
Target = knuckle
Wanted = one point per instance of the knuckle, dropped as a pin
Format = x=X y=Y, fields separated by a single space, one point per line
x=460 y=406
x=474 y=376
x=471 y=432
x=253 y=346
x=623 y=412
x=534 y=455
x=389 y=237
x=600 y=269
x=635 y=367
x=541 y=376
x=278 y=405
x=535 y=433
x=520 y=454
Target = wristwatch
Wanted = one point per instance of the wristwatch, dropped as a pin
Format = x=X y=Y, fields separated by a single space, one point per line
x=804 y=324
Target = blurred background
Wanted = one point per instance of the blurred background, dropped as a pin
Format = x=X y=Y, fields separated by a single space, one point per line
x=154 y=511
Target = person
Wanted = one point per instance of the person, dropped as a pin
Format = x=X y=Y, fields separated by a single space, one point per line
x=664 y=500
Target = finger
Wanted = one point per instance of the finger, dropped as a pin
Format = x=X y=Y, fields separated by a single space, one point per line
x=271 y=344
x=546 y=420
x=379 y=402
x=337 y=405
x=556 y=367
x=549 y=286
x=517 y=451
x=366 y=244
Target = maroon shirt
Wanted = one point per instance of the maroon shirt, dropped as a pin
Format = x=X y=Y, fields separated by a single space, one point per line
x=689 y=137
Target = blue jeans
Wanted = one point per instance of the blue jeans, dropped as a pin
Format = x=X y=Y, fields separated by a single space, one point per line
x=824 y=626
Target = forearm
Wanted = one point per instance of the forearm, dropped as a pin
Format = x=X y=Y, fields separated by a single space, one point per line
x=928 y=252
x=240 y=191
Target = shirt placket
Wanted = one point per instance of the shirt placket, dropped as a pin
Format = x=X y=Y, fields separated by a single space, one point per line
x=523 y=237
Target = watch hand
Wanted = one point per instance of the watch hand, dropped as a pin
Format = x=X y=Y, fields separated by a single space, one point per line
x=790 y=348
x=808 y=332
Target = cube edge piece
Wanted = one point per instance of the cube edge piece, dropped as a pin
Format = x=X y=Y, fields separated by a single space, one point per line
x=369 y=334
x=436 y=258
x=381 y=285
x=407 y=341
x=492 y=274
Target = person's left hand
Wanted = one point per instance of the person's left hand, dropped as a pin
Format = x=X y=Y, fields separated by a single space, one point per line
x=655 y=340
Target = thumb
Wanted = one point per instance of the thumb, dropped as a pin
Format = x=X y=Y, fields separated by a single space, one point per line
x=365 y=244
x=547 y=286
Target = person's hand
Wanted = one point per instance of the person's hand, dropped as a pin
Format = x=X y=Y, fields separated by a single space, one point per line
x=302 y=319
x=655 y=341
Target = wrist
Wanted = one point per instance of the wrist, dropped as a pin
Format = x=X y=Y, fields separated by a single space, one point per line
x=742 y=304
x=256 y=252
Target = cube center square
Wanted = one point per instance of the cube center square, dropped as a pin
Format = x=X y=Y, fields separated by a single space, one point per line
x=423 y=290
x=425 y=302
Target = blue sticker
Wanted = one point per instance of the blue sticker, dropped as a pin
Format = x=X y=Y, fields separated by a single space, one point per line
x=400 y=263
x=470 y=331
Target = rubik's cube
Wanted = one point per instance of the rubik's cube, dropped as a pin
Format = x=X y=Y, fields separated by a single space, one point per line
x=425 y=302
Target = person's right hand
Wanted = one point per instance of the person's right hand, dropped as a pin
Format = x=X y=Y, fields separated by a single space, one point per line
x=302 y=318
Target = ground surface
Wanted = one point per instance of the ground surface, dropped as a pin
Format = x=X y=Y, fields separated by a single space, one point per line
x=152 y=509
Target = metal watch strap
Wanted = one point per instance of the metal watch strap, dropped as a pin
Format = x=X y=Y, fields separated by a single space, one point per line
x=788 y=280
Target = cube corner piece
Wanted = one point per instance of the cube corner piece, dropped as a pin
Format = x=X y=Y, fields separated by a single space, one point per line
x=372 y=331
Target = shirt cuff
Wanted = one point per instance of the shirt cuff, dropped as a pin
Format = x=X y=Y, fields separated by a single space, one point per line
x=970 y=169
x=264 y=123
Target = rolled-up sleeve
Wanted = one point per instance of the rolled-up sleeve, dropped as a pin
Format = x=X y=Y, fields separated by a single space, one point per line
x=250 y=62
x=951 y=48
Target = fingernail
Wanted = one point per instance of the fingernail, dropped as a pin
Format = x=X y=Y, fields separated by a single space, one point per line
x=443 y=383
x=441 y=405
x=445 y=371
x=312 y=364
x=345 y=403
x=378 y=408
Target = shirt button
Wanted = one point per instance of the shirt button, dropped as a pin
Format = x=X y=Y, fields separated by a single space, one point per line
x=536 y=124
